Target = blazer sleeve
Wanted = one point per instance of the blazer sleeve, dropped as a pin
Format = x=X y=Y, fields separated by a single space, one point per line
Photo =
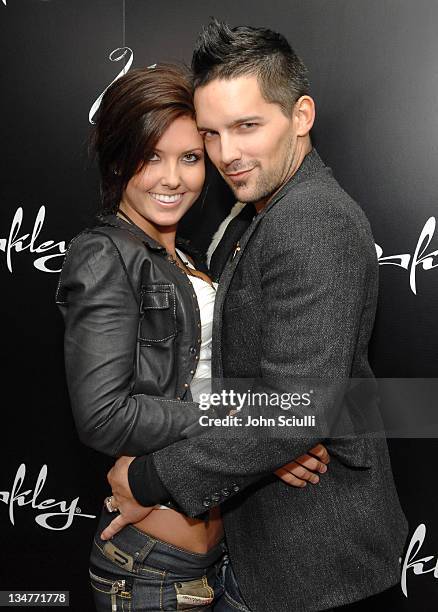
x=101 y=316
x=316 y=277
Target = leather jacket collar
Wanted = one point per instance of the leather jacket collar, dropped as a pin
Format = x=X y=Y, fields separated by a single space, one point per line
x=115 y=221
x=186 y=246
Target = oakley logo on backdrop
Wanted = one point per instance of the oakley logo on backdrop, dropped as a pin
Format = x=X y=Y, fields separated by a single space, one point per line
x=411 y=561
x=16 y=244
x=428 y=261
x=58 y=520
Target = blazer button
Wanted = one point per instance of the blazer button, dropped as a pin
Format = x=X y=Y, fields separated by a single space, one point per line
x=206 y=503
x=225 y=492
x=192 y=371
x=186 y=385
x=235 y=487
x=216 y=497
x=192 y=350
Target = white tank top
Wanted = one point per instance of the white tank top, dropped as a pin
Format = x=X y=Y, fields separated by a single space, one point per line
x=206 y=294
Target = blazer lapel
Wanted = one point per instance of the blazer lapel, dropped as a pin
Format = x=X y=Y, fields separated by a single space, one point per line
x=230 y=236
x=311 y=164
x=222 y=290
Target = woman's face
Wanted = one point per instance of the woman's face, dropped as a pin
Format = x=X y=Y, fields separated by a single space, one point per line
x=163 y=191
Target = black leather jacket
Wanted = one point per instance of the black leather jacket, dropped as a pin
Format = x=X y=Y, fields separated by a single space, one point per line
x=132 y=339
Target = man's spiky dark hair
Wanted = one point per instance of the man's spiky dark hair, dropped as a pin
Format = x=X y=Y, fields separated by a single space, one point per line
x=222 y=52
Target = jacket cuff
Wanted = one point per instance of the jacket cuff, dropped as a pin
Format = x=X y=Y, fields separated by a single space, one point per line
x=146 y=485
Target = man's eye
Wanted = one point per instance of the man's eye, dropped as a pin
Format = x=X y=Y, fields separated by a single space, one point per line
x=247 y=126
x=208 y=134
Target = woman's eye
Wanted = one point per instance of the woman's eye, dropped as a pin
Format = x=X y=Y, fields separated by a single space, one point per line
x=191 y=158
x=153 y=157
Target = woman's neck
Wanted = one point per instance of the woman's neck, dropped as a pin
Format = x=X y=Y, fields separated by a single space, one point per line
x=164 y=235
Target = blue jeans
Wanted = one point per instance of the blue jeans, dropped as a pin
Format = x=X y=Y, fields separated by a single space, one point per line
x=229 y=598
x=134 y=572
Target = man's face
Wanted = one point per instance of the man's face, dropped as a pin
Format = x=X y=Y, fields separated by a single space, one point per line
x=249 y=140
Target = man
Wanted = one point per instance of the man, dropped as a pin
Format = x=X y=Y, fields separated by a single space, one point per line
x=296 y=300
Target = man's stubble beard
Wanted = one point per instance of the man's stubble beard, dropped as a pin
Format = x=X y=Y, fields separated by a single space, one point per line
x=267 y=183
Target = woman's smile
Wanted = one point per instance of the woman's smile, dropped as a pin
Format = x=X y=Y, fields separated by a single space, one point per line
x=167 y=200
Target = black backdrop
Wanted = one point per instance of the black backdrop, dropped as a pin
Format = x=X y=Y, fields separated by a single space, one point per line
x=373 y=65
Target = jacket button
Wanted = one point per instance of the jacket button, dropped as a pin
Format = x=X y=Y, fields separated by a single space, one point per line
x=186 y=385
x=192 y=350
x=199 y=340
x=199 y=325
x=206 y=503
x=197 y=357
x=225 y=492
x=192 y=371
x=193 y=295
x=216 y=497
x=235 y=487
x=178 y=398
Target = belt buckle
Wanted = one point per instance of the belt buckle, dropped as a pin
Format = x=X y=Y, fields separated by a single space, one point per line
x=118 y=556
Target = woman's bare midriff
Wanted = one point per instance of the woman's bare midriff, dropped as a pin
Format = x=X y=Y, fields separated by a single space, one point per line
x=194 y=535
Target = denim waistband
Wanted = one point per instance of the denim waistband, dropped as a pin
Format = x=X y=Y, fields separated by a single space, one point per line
x=137 y=547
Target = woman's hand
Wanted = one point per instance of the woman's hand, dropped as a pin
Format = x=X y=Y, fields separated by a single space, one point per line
x=129 y=512
x=305 y=468
x=129 y=509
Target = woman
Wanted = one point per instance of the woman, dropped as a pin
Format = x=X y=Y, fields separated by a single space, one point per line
x=138 y=309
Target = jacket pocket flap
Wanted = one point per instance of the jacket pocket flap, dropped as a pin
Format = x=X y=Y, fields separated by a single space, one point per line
x=155 y=297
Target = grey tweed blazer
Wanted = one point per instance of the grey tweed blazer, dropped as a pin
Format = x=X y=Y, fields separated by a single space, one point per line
x=297 y=300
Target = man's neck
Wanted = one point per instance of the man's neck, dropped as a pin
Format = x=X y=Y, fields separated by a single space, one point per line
x=296 y=163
